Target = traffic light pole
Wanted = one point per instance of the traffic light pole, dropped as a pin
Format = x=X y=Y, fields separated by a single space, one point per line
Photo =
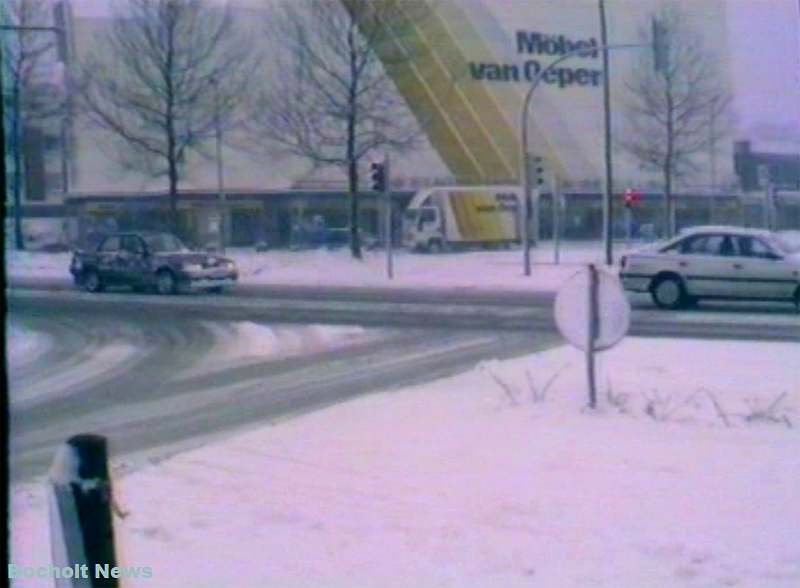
x=387 y=195
x=524 y=171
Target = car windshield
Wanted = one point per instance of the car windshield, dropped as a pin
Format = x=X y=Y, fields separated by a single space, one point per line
x=788 y=242
x=164 y=243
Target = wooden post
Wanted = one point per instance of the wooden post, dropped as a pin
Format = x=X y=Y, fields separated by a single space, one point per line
x=81 y=525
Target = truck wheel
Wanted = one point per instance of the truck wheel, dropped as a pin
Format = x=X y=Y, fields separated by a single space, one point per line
x=165 y=282
x=92 y=282
x=668 y=292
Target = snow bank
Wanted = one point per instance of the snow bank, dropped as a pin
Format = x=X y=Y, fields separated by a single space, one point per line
x=475 y=270
x=482 y=270
x=37 y=265
x=496 y=477
x=243 y=342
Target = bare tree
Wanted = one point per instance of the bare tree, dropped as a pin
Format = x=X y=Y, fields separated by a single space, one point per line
x=678 y=112
x=160 y=80
x=332 y=102
x=29 y=99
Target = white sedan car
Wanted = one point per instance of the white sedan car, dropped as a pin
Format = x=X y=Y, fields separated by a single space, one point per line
x=716 y=262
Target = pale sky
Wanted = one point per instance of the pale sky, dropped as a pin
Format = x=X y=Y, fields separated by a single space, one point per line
x=764 y=38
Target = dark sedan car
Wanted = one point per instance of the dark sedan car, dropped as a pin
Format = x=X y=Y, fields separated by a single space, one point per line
x=147 y=260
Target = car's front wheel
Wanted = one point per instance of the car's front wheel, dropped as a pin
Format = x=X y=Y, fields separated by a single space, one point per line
x=668 y=292
x=92 y=282
x=165 y=282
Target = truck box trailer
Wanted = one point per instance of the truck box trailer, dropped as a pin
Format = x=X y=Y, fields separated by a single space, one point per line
x=462 y=217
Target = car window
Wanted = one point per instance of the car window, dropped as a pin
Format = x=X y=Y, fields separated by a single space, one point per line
x=110 y=244
x=722 y=245
x=708 y=245
x=694 y=245
x=132 y=244
x=754 y=247
x=164 y=243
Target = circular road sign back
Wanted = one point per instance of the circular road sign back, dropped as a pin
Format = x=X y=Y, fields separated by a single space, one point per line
x=572 y=311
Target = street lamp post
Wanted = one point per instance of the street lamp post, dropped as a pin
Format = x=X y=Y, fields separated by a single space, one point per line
x=19 y=240
x=608 y=192
x=223 y=232
x=524 y=167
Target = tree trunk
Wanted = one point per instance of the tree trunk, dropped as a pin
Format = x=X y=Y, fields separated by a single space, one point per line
x=16 y=149
x=352 y=186
x=352 y=162
x=669 y=204
x=173 y=197
x=668 y=168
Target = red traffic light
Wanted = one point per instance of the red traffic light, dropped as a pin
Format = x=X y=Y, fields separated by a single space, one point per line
x=632 y=197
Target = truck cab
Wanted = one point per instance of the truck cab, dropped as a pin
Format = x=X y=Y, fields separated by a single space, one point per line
x=423 y=229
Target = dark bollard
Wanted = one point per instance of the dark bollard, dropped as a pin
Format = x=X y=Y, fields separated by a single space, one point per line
x=81 y=525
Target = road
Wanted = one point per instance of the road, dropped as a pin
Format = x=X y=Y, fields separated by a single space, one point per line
x=447 y=309
x=151 y=401
x=122 y=364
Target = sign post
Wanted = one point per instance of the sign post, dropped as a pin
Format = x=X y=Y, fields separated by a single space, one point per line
x=81 y=524
x=592 y=313
x=555 y=190
x=591 y=335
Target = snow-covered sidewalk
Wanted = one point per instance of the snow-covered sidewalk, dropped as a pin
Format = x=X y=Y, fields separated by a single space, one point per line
x=479 y=270
x=687 y=476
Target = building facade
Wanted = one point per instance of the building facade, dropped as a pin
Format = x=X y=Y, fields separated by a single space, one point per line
x=469 y=64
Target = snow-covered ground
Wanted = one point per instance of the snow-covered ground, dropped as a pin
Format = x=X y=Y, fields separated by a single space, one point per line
x=24 y=346
x=483 y=270
x=688 y=475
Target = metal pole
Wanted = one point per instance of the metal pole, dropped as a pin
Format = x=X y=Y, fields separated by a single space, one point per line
x=387 y=193
x=526 y=199
x=523 y=160
x=592 y=331
x=556 y=191
x=220 y=173
x=629 y=225
x=608 y=192
x=16 y=139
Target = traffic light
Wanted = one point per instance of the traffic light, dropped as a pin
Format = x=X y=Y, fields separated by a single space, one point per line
x=377 y=172
x=631 y=198
x=660 y=46
x=537 y=172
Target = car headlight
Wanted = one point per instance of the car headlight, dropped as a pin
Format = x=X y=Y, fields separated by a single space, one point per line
x=192 y=267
